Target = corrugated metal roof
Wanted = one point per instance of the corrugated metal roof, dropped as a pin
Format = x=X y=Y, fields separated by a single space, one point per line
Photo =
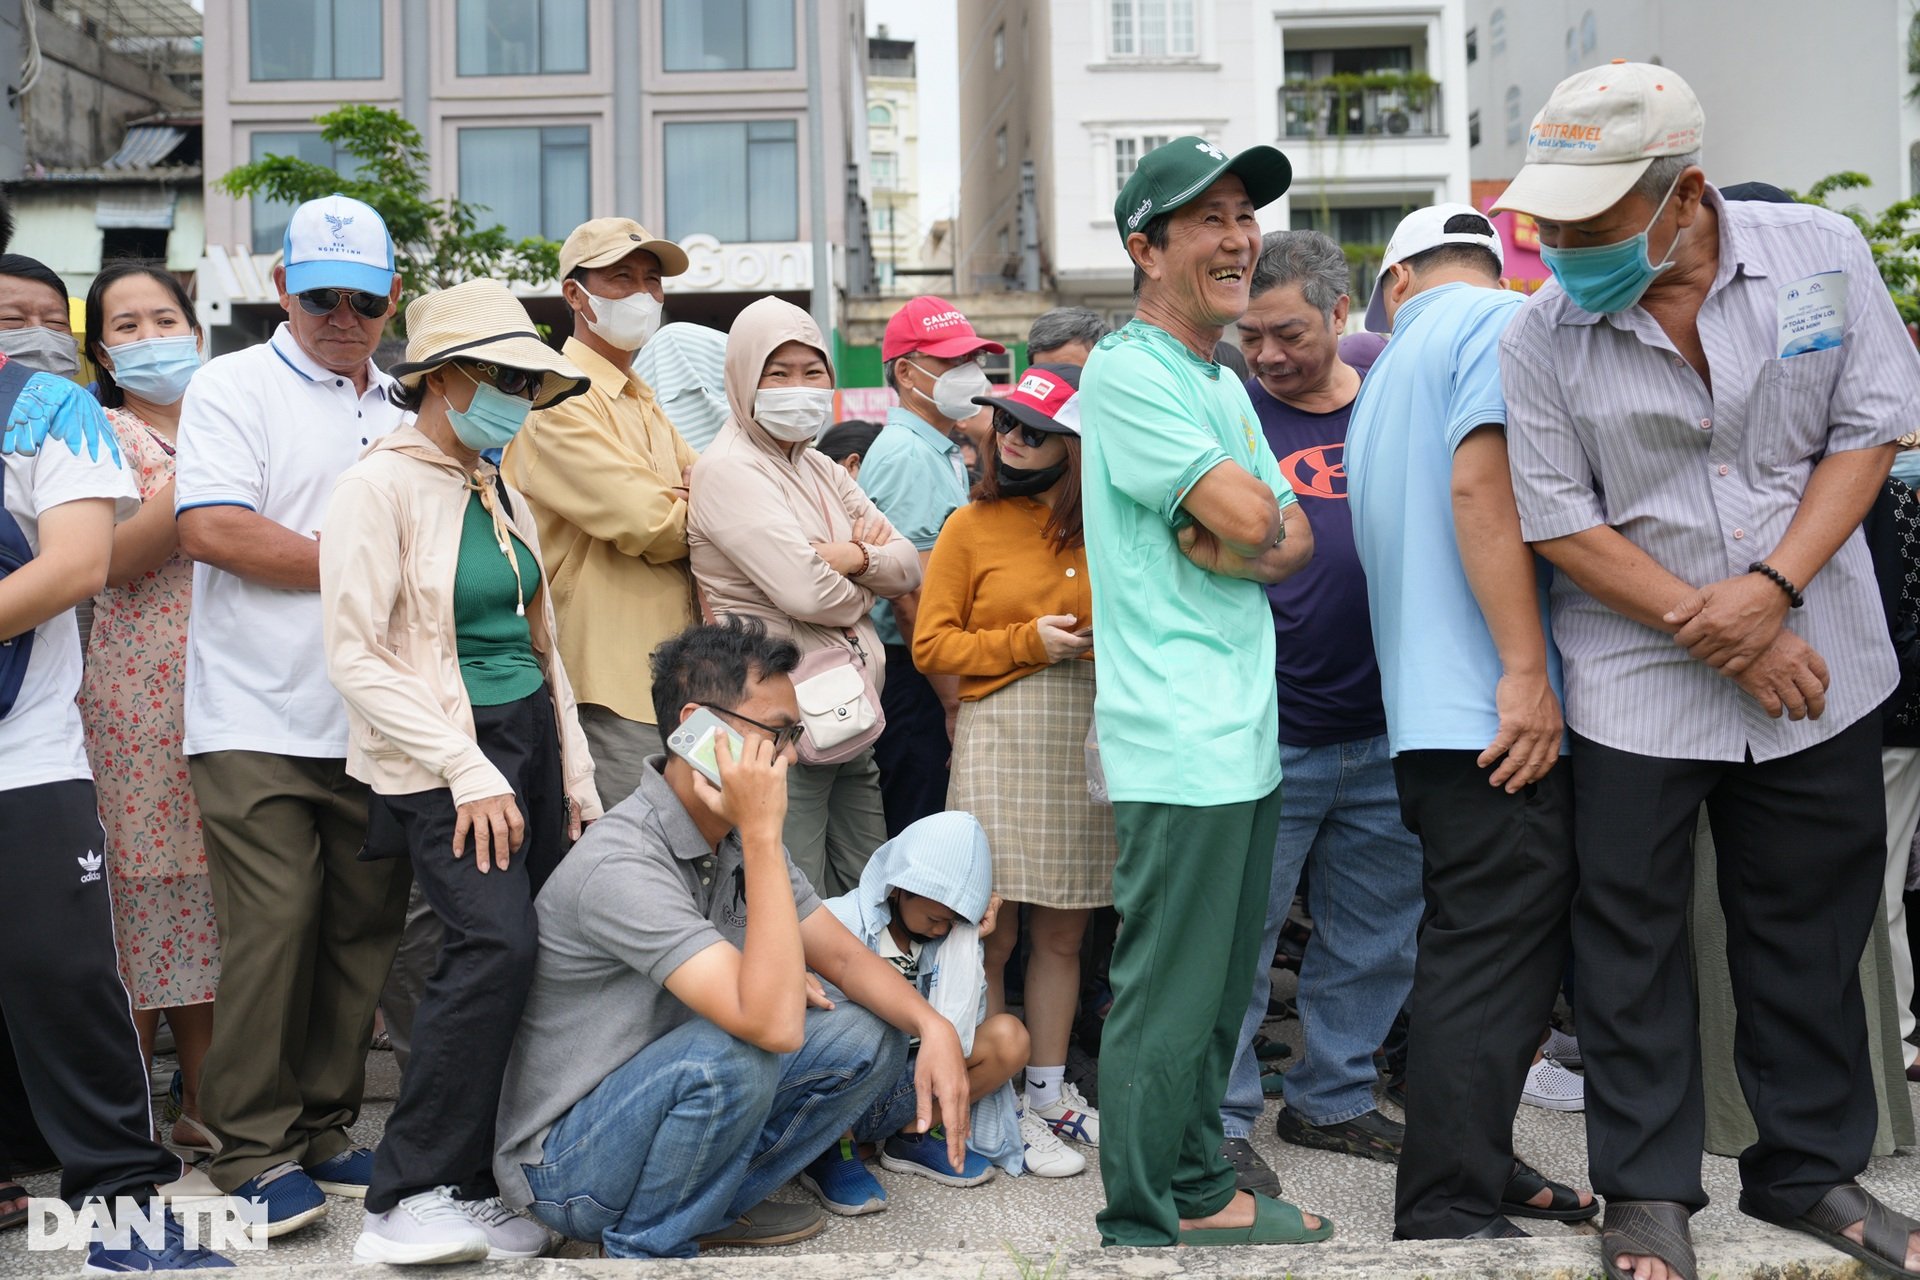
x=148 y=207
x=146 y=145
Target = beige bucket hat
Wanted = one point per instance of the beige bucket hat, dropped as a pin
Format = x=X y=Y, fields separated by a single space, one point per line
x=481 y=322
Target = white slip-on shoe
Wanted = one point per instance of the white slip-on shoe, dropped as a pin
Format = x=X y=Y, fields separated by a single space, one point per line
x=427 y=1227
x=1552 y=1086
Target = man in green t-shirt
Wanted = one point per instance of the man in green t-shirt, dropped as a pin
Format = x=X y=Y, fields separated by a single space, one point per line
x=1187 y=516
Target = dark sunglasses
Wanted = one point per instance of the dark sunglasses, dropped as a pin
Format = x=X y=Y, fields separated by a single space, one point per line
x=515 y=382
x=782 y=737
x=321 y=302
x=1032 y=437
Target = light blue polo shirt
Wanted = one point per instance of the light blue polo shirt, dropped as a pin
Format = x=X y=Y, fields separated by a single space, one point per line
x=1437 y=380
x=1186 y=703
x=915 y=476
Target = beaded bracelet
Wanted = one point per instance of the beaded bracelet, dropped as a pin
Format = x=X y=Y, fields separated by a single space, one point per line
x=1779 y=580
x=866 y=561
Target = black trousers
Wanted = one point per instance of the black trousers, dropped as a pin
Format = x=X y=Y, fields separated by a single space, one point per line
x=442 y=1128
x=1801 y=848
x=1499 y=875
x=912 y=751
x=67 y=1016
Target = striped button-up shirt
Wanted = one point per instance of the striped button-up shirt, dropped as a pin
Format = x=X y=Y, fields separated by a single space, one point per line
x=1608 y=425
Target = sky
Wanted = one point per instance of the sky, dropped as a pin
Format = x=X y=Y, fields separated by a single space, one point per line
x=931 y=24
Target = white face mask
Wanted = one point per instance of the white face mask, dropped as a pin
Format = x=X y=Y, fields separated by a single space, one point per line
x=793 y=414
x=954 y=390
x=625 y=323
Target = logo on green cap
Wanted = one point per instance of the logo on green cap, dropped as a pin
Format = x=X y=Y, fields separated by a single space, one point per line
x=1140 y=214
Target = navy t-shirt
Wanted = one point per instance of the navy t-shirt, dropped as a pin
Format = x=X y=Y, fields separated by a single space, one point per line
x=1329 y=681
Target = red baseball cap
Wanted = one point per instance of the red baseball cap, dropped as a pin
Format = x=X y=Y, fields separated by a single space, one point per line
x=935 y=326
x=1046 y=398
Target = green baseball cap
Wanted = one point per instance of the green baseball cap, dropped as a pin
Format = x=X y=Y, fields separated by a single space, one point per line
x=1172 y=175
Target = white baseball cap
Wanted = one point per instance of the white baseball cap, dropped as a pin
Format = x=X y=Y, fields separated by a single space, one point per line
x=1598 y=133
x=337 y=242
x=1425 y=229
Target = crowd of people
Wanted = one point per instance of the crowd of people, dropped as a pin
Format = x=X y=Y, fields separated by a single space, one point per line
x=708 y=796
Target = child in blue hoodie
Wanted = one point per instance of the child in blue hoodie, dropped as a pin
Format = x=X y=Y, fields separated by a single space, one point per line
x=923 y=902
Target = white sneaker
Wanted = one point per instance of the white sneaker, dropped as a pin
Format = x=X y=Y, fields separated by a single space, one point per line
x=1552 y=1086
x=427 y=1227
x=1071 y=1117
x=1562 y=1048
x=1046 y=1155
x=508 y=1234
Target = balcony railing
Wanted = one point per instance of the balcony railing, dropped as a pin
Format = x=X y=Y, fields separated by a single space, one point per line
x=1353 y=111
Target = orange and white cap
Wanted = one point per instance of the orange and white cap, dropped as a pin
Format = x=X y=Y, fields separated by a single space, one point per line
x=1598 y=133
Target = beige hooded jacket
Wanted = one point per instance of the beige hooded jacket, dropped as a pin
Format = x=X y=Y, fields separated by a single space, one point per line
x=390 y=549
x=759 y=504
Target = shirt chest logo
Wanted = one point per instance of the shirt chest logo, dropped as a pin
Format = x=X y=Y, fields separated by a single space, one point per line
x=1319 y=471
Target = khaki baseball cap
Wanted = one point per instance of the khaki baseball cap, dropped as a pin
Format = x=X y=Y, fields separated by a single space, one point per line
x=1598 y=133
x=604 y=241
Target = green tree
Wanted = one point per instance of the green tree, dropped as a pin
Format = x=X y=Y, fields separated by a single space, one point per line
x=1891 y=234
x=436 y=242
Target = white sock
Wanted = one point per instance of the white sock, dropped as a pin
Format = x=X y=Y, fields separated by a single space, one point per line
x=1043 y=1085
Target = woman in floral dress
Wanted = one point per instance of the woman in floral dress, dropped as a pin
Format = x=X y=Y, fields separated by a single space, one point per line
x=141 y=335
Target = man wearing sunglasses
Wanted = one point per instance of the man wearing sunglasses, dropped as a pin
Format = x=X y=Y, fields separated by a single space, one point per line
x=307 y=931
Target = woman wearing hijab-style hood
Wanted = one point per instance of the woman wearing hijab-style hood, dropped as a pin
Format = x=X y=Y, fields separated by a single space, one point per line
x=777 y=531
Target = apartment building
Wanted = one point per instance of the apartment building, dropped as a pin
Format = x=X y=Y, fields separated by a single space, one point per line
x=893 y=166
x=735 y=127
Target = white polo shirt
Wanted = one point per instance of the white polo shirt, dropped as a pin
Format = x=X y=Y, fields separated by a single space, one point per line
x=40 y=738
x=270 y=430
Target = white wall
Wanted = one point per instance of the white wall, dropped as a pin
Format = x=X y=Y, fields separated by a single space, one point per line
x=1791 y=92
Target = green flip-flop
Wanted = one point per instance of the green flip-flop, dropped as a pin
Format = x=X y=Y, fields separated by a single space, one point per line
x=1274 y=1222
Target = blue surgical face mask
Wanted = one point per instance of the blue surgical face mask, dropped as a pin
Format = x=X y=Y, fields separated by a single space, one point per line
x=1610 y=277
x=156 y=369
x=492 y=420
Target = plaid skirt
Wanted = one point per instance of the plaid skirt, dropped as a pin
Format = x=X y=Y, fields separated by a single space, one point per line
x=1019 y=766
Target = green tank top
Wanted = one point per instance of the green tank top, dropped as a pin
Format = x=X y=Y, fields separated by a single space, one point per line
x=497 y=661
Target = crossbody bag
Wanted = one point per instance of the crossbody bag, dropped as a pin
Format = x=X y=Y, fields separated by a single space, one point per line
x=834 y=686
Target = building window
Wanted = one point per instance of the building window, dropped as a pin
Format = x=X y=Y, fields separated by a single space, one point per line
x=885 y=167
x=1497 y=31
x=735 y=180
x=522 y=37
x=1000 y=47
x=1127 y=153
x=1473 y=128
x=883 y=220
x=315 y=39
x=533 y=182
x=1515 y=128
x=1151 y=29
x=270 y=217
x=880 y=116
x=1000 y=148
x=1589 y=33
x=729 y=35
x=1473 y=44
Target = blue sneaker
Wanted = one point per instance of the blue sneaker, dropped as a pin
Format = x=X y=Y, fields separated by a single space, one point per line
x=290 y=1196
x=173 y=1255
x=843 y=1183
x=926 y=1155
x=347 y=1174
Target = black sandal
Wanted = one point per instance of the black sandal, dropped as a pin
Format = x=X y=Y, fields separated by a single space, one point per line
x=1526 y=1183
x=1647 y=1229
x=1887 y=1232
x=10 y=1191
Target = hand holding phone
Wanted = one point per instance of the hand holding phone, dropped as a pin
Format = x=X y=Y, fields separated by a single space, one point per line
x=1059 y=639
x=693 y=740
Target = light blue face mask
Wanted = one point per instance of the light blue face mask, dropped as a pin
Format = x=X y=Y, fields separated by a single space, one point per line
x=156 y=369
x=492 y=420
x=1610 y=277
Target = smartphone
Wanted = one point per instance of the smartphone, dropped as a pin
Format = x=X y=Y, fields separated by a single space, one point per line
x=693 y=740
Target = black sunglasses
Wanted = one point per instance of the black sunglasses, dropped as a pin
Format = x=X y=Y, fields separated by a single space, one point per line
x=1032 y=437
x=321 y=302
x=783 y=737
x=514 y=382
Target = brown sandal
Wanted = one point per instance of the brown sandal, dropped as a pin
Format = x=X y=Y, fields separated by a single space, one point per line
x=1647 y=1229
x=1887 y=1232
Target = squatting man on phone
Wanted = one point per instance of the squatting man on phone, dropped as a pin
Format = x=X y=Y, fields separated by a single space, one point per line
x=672 y=1034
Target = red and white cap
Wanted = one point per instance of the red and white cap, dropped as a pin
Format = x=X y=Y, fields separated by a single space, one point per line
x=1047 y=398
x=934 y=326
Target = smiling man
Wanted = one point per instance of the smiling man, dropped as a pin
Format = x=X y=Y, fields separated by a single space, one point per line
x=1187 y=516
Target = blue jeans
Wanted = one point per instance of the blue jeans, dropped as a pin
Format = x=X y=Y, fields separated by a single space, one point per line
x=699 y=1127
x=1341 y=819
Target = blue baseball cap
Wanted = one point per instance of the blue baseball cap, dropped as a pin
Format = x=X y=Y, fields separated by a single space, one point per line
x=337 y=242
